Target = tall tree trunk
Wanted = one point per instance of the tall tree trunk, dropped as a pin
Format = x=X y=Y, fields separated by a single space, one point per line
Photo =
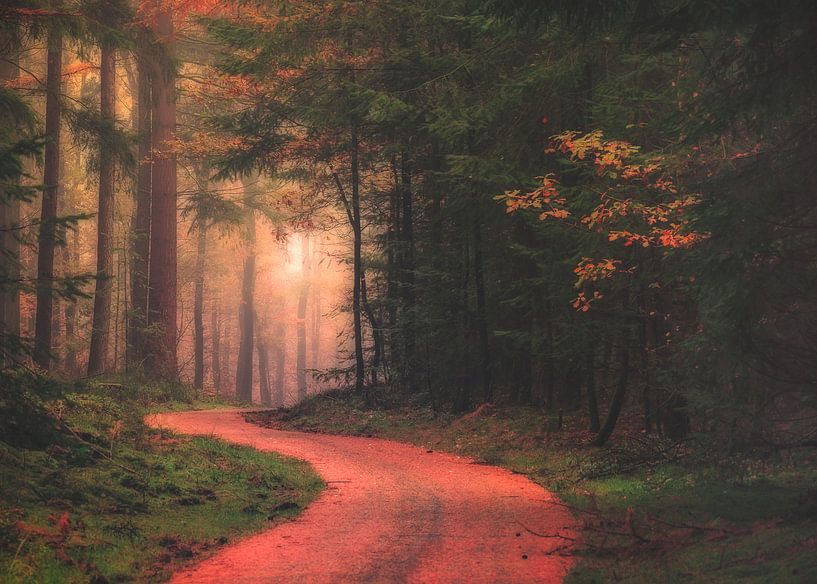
x=48 y=216
x=619 y=395
x=215 y=338
x=407 y=268
x=226 y=351
x=263 y=365
x=482 y=317
x=462 y=399
x=198 y=302
x=280 y=348
x=357 y=263
x=246 y=318
x=592 y=400
x=315 y=333
x=141 y=227
x=198 y=307
x=646 y=347
x=377 y=329
x=303 y=296
x=9 y=219
x=100 y=329
x=71 y=263
x=161 y=355
x=393 y=242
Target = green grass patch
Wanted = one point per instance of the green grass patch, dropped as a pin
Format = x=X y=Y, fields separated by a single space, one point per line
x=106 y=499
x=649 y=511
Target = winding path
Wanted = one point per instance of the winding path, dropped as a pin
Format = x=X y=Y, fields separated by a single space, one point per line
x=390 y=513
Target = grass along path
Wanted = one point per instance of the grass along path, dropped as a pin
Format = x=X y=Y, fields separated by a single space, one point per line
x=107 y=499
x=650 y=511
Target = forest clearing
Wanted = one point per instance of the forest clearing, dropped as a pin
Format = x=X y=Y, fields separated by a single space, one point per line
x=308 y=289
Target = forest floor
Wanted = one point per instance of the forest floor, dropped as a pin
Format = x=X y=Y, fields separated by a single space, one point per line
x=648 y=511
x=391 y=513
x=89 y=493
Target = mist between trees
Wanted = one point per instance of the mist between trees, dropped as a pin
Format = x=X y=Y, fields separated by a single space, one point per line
x=598 y=208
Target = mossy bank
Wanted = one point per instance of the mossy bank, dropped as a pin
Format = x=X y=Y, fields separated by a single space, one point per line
x=91 y=494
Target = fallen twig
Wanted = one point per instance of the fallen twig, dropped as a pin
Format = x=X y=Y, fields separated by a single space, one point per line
x=546 y=535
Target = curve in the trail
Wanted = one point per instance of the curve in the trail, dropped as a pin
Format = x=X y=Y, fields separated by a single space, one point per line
x=390 y=513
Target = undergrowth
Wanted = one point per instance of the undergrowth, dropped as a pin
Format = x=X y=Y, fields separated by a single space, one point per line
x=91 y=494
x=650 y=510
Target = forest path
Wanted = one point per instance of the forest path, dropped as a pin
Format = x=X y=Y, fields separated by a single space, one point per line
x=390 y=513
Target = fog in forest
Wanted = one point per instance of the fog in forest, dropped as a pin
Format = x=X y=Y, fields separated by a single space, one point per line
x=257 y=231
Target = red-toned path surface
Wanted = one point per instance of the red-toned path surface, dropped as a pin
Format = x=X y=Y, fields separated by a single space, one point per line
x=390 y=513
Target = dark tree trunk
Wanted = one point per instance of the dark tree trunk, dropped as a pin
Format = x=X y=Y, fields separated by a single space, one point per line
x=618 y=396
x=100 y=330
x=9 y=219
x=393 y=239
x=246 y=318
x=462 y=399
x=263 y=366
x=71 y=265
x=161 y=355
x=315 y=353
x=303 y=297
x=407 y=268
x=482 y=316
x=357 y=264
x=198 y=306
x=48 y=216
x=550 y=362
x=280 y=348
x=592 y=400
x=377 y=331
x=215 y=336
x=224 y=357
x=140 y=260
x=202 y=178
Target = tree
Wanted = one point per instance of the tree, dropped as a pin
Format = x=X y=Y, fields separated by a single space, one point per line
x=9 y=201
x=100 y=328
x=303 y=296
x=198 y=308
x=140 y=256
x=48 y=235
x=246 y=315
x=161 y=342
x=263 y=366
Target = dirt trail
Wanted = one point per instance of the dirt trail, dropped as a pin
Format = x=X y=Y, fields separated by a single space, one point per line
x=390 y=513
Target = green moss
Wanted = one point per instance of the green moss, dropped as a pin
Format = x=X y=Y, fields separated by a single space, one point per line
x=139 y=502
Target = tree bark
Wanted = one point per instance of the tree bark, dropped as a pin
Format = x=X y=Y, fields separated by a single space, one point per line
x=100 y=329
x=357 y=263
x=161 y=354
x=482 y=317
x=224 y=357
x=303 y=297
x=198 y=302
x=263 y=366
x=198 y=306
x=48 y=216
x=9 y=219
x=140 y=259
x=279 y=332
x=393 y=239
x=618 y=396
x=215 y=339
x=315 y=333
x=246 y=318
x=592 y=400
x=377 y=330
x=71 y=265
x=407 y=268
